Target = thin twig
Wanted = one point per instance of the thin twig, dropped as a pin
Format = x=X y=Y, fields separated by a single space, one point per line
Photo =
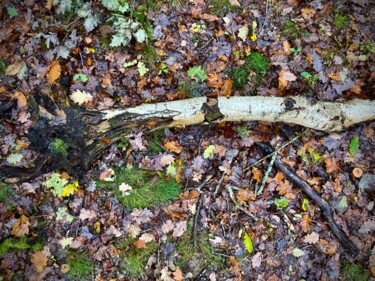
x=199 y=187
x=197 y=211
x=267 y=174
x=265 y=18
x=274 y=152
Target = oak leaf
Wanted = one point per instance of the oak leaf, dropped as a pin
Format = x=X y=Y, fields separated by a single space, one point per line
x=21 y=226
x=180 y=229
x=173 y=146
x=39 y=260
x=311 y=238
x=305 y=223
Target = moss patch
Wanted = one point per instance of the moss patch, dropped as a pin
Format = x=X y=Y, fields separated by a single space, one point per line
x=134 y=260
x=354 y=272
x=255 y=62
x=341 y=21
x=80 y=266
x=21 y=243
x=292 y=30
x=145 y=190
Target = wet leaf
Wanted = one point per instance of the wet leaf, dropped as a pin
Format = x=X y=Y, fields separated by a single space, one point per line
x=298 y=252
x=39 y=260
x=54 y=72
x=21 y=226
x=248 y=243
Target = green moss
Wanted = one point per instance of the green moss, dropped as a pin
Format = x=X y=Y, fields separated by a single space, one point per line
x=354 y=272
x=145 y=192
x=256 y=63
x=21 y=243
x=59 y=146
x=239 y=77
x=220 y=7
x=6 y=192
x=190 y=88
x=292 y=30
x=155 y=142
x=341 y=21
x=134 y=260
x=202 y=255
x=3 y=67
x=80 y=266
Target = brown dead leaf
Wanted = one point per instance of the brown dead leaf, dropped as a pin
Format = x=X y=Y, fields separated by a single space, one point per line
x=334 y=76
x=235 y=3
x=180 y=229
x=357 y=89
x=286 y=46
x=305 y=223
x=21 y=226
x=311 y=238
x=284 y=77
x=332 y=165
x=256 y=174
x=308 y=13
x=140 y=244
x=227 y=88
x=214 y=81
x=21 y=99
x=244 y=195
x=14 y=68
x=39 y=260
x=54 y=72
x=173 y=146
x=178 y=275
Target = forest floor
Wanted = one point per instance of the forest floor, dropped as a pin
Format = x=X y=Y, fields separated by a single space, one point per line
x=187 y=203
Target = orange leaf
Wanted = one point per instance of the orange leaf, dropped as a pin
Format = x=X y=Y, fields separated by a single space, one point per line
x=140 y=244
x=286 y=46
x=214 y=80
x=54 y=72
x=256 y=174
x=227 y=88
x=173 y=146
x=39 y=260
x=305 y=223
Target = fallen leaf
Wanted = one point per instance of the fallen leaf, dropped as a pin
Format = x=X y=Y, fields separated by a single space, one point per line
x=39 y=260
x=227 y=88
x=87 y=214
x=285 y=77
x=311 y=238
x=21 y=226
x=14 y=68
x=173 y=146
x=167 y=227
x=67 y=241
x=140 y=244
x=54 y=71
x=298 y=252
x=147 y=237
x=178 y=275
x=214 y=80
x=81 y=97
x=286 y=47
x=235 y=3
x=179 y=229
x=256 y=260
x=308 y=13
x=305 y=223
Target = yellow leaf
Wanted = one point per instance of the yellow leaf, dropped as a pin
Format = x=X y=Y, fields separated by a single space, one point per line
x=253 y=37
x=69 y=189
x=97 y=226
x=54 y=71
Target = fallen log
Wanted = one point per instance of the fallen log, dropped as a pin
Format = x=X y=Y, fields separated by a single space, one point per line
x=82 y=131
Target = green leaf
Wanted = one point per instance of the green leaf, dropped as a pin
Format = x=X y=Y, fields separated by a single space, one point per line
x=130 y=63
x=354 y=146
x=82 y=77
x=112 y=5
x=142 y=69
x=197 y=73
x=305 y=203
x=55 y=184
x=119 y=39
x=67 y=241
x=171 y=170
x=306 y=75
x=12 y=12
x=140 y=35
x=23 y=72
x=343 y=204
x=282 y=202
x=298 y=252
x=248 y=243
x=90 y=23
x=62 y=214
x=14 y=158
x=243 y=32
x=209 y=152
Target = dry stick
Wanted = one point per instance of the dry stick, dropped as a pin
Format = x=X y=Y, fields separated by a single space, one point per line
x=197 y=211
x=324 y=206
x=267 y=174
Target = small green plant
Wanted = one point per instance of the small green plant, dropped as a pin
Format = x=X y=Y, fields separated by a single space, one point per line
x=258 y=63
x=6 y=193
x=295 y=51
x=341 y=21
x=354 y=272
x=80 y=266
x=354 y=146
x=369 y=46
x=243 y=130
x=3 y=67
x=281 y=202
x=21 y=243
x=81 y=77
x=134 y=260
x=190 y=88
x=58 y=146
x=312 y=156
x=311 y=79
x=197 y=73
x=12 y=12
x=155 y=142
x=163 y=69
x=144 y=192
x=239 y=77
x=292 y=30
